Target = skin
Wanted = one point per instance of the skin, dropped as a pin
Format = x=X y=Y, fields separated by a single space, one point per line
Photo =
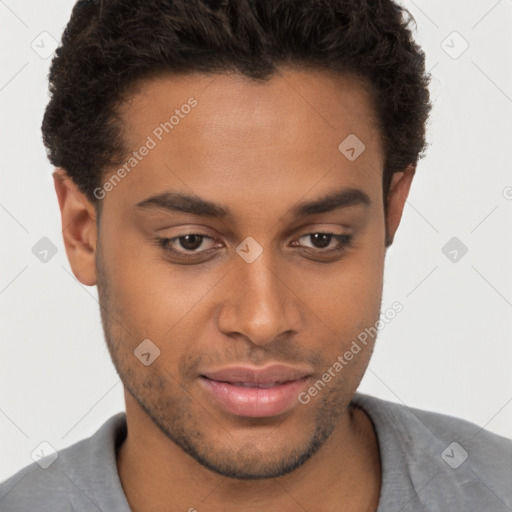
x=258 y=149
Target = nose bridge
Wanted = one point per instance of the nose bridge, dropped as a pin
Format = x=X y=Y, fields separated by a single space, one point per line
x=259 y=305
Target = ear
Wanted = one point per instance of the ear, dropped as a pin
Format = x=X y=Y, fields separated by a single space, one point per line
x=78 y=227
x=397 y=195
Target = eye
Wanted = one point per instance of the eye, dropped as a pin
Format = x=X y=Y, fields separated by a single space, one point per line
x=192 y=245
x=320 y=240
x=188 y=245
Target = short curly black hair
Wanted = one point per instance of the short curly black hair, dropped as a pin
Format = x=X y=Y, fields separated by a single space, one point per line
x=109 y=46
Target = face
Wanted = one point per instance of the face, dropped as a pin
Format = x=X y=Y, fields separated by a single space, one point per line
x=243 y=238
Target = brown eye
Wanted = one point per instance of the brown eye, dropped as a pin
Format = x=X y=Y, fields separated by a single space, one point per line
x=185 y=246
x=321 y=240
x=190 y=242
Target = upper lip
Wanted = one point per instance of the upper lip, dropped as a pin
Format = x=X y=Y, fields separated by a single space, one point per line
x=268 y=375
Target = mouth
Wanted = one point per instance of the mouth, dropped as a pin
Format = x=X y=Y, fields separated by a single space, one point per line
x=253 y=385
x=256 y=393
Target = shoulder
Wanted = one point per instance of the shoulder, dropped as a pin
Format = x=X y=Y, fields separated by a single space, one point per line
x=448 y=457
x=421 y=426
x=63 y=481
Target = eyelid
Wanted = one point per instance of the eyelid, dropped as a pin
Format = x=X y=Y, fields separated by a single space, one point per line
x=174 y=239
x=199 y=231
x=343 y=242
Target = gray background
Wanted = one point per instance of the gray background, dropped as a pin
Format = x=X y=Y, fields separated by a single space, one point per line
x=449 y=350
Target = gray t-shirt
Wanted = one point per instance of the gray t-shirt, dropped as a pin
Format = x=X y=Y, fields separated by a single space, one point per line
x=430 y=462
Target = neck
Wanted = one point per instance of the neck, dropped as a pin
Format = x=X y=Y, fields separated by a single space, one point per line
x=345 y=473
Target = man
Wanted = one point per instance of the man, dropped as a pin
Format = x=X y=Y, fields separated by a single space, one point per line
x=230 y=175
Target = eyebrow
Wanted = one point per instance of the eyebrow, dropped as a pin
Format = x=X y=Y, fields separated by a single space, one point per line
x=185 y=203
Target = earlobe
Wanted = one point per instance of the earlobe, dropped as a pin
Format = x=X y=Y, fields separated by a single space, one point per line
x=397 y=195
x=78 y=227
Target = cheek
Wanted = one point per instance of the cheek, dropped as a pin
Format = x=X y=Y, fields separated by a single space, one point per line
x=347 y=299
x=354 y=284
x=146 y=292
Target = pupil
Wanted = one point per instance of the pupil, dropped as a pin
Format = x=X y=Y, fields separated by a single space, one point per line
x=191 y=242
x=323 y=239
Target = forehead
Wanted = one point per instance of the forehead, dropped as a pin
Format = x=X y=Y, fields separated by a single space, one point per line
x=237 y=106
x=228 y=134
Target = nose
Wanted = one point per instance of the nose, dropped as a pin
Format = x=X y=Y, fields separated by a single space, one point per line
x=259 y=304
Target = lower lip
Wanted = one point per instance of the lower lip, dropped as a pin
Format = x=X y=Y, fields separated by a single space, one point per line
x=255 y=402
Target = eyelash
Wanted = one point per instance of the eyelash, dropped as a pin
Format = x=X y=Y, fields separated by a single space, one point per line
x=343 y=242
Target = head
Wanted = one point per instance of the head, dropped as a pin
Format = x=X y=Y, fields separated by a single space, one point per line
x=230 y=175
